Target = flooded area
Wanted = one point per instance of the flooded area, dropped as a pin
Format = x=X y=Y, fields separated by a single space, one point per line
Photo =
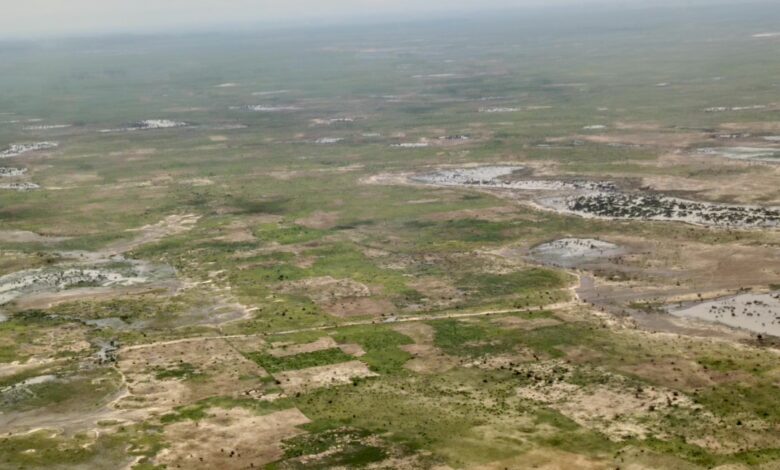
x=574 y=252
x=259 y=108
x=648 y=206
x=57 y=279
x=603 y=199
x=8 y=172
x=22 y=186
x=758 y=313
x=15 y=150
x=149 y=124
x=756 y=154
x=504 y=177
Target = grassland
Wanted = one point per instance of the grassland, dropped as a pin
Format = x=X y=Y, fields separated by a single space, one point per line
x=324 y=312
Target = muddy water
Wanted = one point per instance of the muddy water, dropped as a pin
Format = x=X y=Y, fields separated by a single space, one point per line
x=574 y=252
x=756 y=154
x=758 y=313
x=603 y=200
x=49 y=280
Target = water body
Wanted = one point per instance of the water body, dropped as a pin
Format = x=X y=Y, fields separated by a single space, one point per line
x=759 y=313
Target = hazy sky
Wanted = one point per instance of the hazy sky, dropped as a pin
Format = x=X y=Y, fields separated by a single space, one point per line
x=55 y=17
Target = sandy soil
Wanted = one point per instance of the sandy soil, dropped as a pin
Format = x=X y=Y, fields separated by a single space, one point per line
x=326 y=288
x=170 y=226
x=320 y=220
x=221 y=371
x=426 y=358
x=234 y=438
x=613 y=408
x=550 y=459
x=359 y=306
x=21 y=236
x=322 y=376
x=326 y=342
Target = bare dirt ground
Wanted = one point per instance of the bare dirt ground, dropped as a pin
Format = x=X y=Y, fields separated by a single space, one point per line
x=359 y=306
x=230 y=438
x=327 y=289
x=438 y=292
x=426 y=357
x=22 y=236
x=614 y=408
x=326 y=342
x=50 y=299
x=320 y=220
x=749 y=183
x=293 y=381
x=170 y=226
x=526 y=324
x=551 y=459
x=341 y=297
x=154 y=384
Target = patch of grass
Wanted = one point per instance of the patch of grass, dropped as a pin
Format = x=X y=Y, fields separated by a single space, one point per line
x=183 y=370
x=454 y=336
x=550 y=340
x=198 y=410
x=43 y=450
x=324 y=357
x=381 y=345
x=287 y=235
x=531 y=280
x=737 y=401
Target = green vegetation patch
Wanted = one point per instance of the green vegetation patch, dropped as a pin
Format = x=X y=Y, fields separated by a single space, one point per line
x=348 y=449
x=287 y=235
x=198 y=411
x=300 y=361
x=492 y=285
x=381 y=345
x=183 y=370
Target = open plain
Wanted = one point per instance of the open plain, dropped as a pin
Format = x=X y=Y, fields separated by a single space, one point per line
x=522 y=245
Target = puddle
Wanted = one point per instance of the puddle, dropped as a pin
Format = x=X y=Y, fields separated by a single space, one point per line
x=498 y=177
x=266 y=109
x=8 y=172
x=25 y=186
x=498 y=110
x=574 y=252
x=743 y=153
x=149 y=124
x=15 y=150
x=723 y=109
x=46 y=127
x=759 y=313
x=594 y=199
x=57 y=279
x=411 y=145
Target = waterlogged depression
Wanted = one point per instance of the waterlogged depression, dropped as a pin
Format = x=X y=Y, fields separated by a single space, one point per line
x=149 y=124
x=756 y=154
x=21 y=186
x=759 y=313
x=574 y=252
x=9 y=172
x=15 y=150
x=600 y=199
x=57 y=279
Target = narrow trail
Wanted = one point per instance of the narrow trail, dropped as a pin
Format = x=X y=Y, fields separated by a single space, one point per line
x=418 y=318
